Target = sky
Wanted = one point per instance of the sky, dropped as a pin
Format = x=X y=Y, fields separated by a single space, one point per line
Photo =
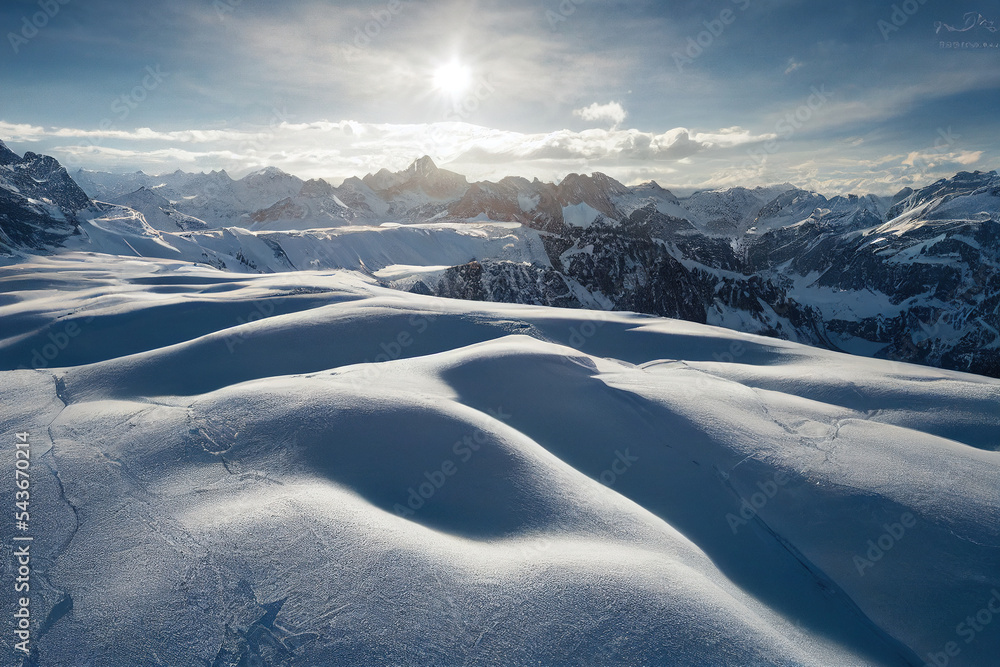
x=841 y=96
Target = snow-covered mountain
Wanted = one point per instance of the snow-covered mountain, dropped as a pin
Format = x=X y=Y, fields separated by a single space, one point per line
x=307 y=468
x=918 y=280
x=40 y=205
x=914 y=278
x=214 y=198
x=158 y=211
x=732 y=211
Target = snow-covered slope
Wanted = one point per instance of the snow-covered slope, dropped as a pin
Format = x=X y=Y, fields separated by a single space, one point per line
x=158 y=211
x=309 y=469
x=119 y=230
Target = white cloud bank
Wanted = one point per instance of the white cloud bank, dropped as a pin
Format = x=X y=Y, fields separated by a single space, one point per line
x=346 y=148
x=680 y=158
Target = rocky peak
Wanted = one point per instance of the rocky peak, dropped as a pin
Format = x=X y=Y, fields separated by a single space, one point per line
x=654 y=189
x=962 y=183
x=143 y=196
x=423 y=167
x=595 y=190
x=317 y=187
x=422 y=175
x=7 y=156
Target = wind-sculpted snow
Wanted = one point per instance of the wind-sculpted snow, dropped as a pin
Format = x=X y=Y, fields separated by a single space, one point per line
x=310 y=469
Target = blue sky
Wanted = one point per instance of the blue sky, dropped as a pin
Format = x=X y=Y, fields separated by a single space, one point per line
x=837 y=96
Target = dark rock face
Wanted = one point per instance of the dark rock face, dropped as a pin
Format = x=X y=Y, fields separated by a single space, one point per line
x=39 y=202
x=932 y=260
x=505 y=282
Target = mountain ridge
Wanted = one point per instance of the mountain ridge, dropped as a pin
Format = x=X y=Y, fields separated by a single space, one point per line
x=915 y=277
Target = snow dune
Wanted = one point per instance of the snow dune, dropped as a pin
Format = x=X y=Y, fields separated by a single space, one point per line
x=308 y=469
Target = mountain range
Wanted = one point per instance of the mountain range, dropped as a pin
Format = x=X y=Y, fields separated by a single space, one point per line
x=913 y=277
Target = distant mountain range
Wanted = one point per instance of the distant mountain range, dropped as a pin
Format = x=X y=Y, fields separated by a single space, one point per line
x=912 y=277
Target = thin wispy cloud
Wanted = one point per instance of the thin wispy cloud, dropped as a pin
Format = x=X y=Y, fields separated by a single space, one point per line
x=793 y=65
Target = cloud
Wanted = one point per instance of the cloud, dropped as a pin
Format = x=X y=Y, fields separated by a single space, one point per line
x=681 y=158
x=325 y=148
x=793 y=65
x=935 y=158
x=23 y=132
x=612 y=111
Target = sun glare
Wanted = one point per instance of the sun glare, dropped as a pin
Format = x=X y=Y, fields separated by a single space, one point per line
x=452 y=78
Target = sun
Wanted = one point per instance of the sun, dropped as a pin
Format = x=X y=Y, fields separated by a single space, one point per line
x=452 y=78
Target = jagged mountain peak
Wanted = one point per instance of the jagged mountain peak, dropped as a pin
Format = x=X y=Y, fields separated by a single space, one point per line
x=39 y=201
x=944 y=190
x=142 y=194
x=269 y=173
x=596 y=180
x=596 y=191
x=423 y=166
x=654 y=189
x=422 y=176
x=7 y=156
x=317 y=187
